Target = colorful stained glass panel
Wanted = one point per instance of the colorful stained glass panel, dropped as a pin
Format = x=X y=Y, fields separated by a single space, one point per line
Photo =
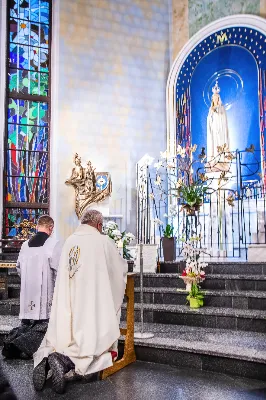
x=33 y=10
x=21 y=189
x=17 y=137
x=38 y=138
x=28 y=57
x=27 y=136
x=24 y=163
x=27 y=112
x=16 y=163
x=29 y=33
x=37 y=164
x=14 y=216
x=23 y=137
x=19 y=56
x=27 y=82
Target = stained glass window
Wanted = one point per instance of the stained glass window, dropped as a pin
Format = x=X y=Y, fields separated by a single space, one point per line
x=28 y=112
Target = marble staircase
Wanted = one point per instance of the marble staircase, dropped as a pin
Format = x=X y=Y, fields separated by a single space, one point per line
x=227 y=335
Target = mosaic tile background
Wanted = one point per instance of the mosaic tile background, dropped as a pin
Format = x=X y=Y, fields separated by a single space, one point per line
x=202 y=12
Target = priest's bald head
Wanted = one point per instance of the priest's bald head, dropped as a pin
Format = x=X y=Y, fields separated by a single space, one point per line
x=93 y=218
x=45 y=224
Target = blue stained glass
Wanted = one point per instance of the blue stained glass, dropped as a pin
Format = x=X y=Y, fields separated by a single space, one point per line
x=38 y=138
x=27 y=141
x=44 y=7
x=23 y=137
x=38 y=11
x=27 y=112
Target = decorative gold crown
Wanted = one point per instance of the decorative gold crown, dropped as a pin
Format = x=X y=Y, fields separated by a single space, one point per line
x=216 y=89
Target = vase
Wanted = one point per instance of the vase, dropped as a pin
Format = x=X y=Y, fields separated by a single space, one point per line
x=193 y=303
x=191 y=210
x=188 y=286
x=169 y=248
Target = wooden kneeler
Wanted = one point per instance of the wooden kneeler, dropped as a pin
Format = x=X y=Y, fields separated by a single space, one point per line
x=129 y=355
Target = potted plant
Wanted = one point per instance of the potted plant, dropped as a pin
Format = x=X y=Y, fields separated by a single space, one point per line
x=195 y=296
x=169 y=244
x=191 y=195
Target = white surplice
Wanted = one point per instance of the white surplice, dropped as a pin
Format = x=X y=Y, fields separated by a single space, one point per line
x=37 y=268
x=88 y=296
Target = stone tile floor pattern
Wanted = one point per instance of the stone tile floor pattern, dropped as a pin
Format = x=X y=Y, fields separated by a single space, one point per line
x=142 y=381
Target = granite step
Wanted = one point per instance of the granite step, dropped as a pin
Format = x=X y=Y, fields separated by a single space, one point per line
x=248 y=300
x=214 y=350
x=214 y=281
x=206 y=317
x=13 y=290
x=9 y=307
x=225 y=267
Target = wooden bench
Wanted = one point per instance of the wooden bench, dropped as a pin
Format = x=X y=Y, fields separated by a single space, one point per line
x=129 y=355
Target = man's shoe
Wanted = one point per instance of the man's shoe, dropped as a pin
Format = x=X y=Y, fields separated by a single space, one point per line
x=7 y=394
x=39 y=374
x=59 y=365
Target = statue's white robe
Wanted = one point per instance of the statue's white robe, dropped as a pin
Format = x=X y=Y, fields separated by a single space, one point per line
x=88 y=296
x=217 y=131
x=37 y=267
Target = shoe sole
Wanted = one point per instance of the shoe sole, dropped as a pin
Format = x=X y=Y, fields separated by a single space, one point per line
x=39 y=375
x=58 y=372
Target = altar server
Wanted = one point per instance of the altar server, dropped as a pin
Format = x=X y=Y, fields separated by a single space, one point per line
x=37 y=266
x=88 y=296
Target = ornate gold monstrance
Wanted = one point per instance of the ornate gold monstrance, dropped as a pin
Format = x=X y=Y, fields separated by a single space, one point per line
x=90 y=186
x=26 y=229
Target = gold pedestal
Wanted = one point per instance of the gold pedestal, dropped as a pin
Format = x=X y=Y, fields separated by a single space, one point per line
x=129 y=355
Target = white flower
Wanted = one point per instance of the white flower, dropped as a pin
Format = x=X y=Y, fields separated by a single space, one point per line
x=117 y=233
x=172 y=210
x=158 y=165
x=129 y=236
x=179 y=183
x=158 y=222
x=171 y=164
x=163 y=154
x=158 y=180
x=111 y=225
x=181 y=151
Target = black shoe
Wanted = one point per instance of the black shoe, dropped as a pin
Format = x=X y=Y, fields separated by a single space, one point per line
x=40 y=373
x=7 y=394
x=59 y=365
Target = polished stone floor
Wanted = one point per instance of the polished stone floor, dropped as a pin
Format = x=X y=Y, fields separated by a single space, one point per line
x=142 y=381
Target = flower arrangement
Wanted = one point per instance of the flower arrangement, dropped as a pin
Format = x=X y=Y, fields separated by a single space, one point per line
x=194 y=271
x=122 y=239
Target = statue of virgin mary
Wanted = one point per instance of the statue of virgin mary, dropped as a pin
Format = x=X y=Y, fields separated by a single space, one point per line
x=217 y=127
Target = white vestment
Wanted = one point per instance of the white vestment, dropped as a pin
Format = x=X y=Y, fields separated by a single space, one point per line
x=217 y=131
x=37 y=268
x=88 y=296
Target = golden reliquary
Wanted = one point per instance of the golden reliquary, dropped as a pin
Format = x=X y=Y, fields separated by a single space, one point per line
x=90 y=186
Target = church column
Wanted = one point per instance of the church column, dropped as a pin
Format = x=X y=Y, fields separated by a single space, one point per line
x=263 y=8
x=54 y=128
x=179 y=26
